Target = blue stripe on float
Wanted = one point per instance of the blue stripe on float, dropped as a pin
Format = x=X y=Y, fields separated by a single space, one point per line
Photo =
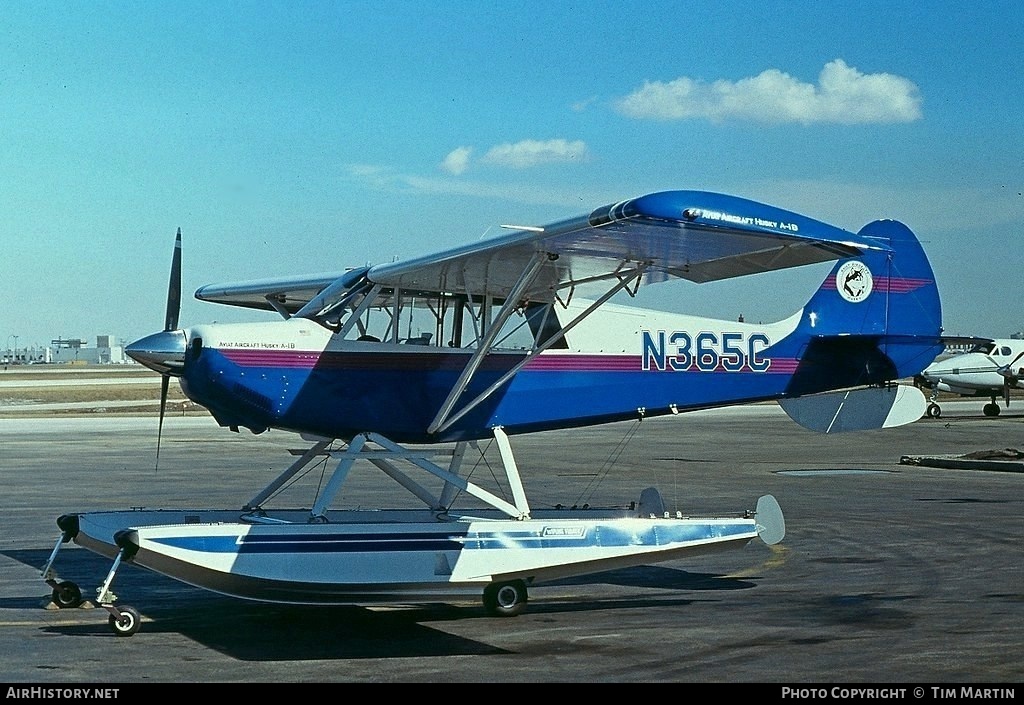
x=603 y=536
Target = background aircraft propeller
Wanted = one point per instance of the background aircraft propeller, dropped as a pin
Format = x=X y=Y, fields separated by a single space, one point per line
x=1009 y=378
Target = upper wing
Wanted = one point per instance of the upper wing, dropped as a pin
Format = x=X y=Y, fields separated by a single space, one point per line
x=287 y=294
x=693 y=235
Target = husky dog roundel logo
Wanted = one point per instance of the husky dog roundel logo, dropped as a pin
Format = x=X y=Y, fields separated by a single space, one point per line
x=853 y=280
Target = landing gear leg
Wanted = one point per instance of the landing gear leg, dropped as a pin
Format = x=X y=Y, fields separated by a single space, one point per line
x=66 y=594
x=123 y=620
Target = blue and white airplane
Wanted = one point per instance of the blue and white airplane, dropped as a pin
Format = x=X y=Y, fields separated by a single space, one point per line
x=508 y=336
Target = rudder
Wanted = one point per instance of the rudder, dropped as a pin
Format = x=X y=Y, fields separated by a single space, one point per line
x=878 y=314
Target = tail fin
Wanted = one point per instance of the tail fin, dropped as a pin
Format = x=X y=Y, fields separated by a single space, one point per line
x=874 y=319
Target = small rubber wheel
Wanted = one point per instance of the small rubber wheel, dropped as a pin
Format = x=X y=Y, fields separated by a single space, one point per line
x=127 y=623
x=933 y=411
x=505 y=599
x=990 y=410
x=67 y=595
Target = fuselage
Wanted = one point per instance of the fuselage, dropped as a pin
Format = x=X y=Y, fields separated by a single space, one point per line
x=619 y=363
x=623 y=363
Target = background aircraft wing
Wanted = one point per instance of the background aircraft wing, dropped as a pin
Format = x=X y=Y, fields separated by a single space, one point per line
x=965 y=341
x=694 y=235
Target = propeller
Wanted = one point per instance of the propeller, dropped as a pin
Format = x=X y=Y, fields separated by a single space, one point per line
x=1009 y=378
x=170 y=324
x=164 y=352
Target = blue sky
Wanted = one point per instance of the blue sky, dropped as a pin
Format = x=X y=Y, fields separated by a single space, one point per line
x=295 y=137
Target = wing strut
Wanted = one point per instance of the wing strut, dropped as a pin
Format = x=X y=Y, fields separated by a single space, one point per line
x=512 y=471
x=442 y=421
x=357 y=314
x=484 y=345
x=384 y=455
x=288 y=474
x=273 y=302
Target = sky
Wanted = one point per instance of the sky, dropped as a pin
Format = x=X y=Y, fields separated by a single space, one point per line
x=297 y=137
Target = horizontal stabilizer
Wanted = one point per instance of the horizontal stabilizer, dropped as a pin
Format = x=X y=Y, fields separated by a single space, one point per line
x=857 y=409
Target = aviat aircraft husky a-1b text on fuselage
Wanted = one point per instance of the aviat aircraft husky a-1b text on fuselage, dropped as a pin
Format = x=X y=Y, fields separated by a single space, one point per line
x=512 y=347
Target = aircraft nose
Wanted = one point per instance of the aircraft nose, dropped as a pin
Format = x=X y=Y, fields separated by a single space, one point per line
x=163 y=352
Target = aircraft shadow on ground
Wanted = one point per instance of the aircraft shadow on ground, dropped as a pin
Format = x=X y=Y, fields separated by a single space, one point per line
x=271 y=632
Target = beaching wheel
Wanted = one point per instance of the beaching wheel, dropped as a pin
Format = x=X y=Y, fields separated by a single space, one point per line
x=127 y=623
x=67 y=595
x=505 y=599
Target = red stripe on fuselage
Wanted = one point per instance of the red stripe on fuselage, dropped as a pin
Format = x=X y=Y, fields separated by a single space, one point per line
x=894 y=285
x=292 y=359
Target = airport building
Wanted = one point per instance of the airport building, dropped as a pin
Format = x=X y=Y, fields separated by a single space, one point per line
x=74 y=351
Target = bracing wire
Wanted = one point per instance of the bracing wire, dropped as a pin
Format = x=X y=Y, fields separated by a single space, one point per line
x=609 y=462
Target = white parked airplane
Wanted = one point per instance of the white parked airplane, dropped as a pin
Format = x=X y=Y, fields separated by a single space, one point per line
x=989 y=369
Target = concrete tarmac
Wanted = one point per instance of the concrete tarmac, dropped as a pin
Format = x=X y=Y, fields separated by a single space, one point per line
x=889 y=574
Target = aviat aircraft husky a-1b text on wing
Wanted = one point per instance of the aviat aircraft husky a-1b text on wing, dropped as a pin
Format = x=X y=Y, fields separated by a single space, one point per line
x=512 y=347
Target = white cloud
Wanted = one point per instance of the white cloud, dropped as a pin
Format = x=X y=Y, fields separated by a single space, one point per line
x=518 y=155
x=843 y=95
x=581 y=105
x=384 y=179
x=528 y=153
x=457 y=160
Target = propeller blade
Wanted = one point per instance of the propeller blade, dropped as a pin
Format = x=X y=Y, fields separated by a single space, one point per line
x=170 y=324
x=165 y=381
x=994 y=364
x=1007 y=369
x=174 y=287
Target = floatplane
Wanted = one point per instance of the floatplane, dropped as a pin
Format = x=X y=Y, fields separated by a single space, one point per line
x=520 y=336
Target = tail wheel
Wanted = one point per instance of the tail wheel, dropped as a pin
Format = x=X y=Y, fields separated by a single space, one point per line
x=127 y=623
x=66 y=595
x=505 y=599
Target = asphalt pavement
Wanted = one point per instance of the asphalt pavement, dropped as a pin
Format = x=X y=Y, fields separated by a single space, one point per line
x=890 y=573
